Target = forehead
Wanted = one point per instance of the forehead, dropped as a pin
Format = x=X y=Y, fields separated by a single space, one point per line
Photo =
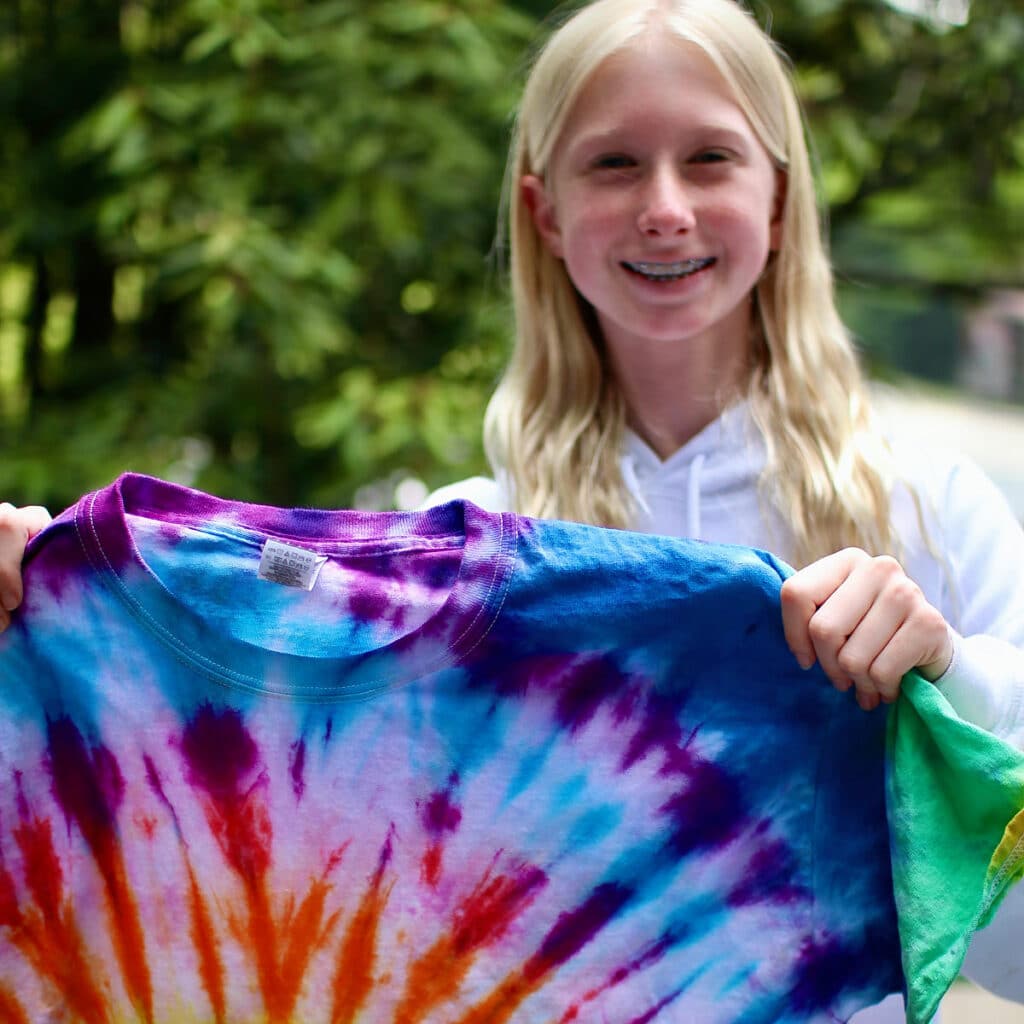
x=656 y=83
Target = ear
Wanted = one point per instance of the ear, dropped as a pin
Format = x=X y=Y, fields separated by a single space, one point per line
x=538 y=201
x=778 y=210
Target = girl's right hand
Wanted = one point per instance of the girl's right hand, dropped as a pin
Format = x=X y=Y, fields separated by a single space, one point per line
x=17 y=527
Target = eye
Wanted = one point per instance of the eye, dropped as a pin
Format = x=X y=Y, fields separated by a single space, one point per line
x=710 y=156
x=613 y=162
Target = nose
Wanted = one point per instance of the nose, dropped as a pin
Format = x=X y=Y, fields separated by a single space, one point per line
x=666 y=207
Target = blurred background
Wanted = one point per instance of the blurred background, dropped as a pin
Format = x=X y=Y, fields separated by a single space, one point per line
x=247 y=244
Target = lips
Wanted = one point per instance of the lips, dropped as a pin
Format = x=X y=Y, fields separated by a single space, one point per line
x=673 y=271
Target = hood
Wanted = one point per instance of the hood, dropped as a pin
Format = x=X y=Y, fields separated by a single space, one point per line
x=706 y=490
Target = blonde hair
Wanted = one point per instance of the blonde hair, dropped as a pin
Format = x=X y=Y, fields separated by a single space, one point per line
x=555 y=424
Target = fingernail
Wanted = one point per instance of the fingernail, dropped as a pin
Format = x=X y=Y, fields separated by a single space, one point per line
x=805 y=661
x=9 y=601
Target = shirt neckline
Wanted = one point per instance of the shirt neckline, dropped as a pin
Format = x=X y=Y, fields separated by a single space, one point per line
x=488 y=542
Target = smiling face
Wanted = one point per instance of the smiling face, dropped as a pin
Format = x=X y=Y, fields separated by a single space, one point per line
x=661 y=201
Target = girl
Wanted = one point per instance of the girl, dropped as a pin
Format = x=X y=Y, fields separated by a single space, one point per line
x=679 y=367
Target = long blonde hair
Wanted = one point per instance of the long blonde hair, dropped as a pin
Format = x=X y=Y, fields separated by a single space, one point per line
x=554 y=426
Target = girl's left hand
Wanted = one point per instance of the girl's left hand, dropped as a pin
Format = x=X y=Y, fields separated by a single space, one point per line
x=866 y=622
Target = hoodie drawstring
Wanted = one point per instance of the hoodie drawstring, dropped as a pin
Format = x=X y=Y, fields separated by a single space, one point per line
x=632 y=482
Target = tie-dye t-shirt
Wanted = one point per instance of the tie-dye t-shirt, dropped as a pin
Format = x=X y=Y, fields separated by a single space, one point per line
x=485 y=769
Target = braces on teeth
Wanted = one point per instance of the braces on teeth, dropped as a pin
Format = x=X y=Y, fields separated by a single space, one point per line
x=680 y=269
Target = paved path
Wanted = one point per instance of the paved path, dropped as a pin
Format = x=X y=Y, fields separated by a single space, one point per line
x=967 y=1004
x=992 y=435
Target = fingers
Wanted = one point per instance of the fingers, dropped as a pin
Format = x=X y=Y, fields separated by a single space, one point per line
x=866 y=622
x=805 y=592
x=17 y=527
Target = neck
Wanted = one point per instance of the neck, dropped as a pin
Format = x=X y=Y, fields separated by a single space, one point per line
x=674 y=390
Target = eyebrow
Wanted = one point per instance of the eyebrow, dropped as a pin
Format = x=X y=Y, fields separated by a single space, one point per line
x=618 y=137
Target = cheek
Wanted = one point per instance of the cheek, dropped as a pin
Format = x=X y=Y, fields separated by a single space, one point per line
x=584 y=244
x=591 y=230
x=749 y=228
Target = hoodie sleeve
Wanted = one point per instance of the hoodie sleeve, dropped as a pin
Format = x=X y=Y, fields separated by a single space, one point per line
x=490 y=495
x=983 y=545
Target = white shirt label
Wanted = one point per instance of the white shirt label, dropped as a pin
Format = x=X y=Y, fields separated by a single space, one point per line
x=289 y=565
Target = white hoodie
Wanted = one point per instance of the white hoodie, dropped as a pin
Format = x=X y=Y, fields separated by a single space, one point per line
x=971 y=567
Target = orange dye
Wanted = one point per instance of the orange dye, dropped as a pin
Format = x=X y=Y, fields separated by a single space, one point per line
x=263 y=935
x=211 y=969
x=306 y=937
x=49 y=937
x=480 y=920
x=499 y=1006
x=353 y=979
x=129 y=943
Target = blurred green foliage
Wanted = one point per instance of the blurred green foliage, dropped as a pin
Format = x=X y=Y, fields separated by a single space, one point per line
x=246 y=243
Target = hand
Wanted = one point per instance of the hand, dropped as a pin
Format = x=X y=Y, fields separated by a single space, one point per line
x=17 y=527
x=866 y=622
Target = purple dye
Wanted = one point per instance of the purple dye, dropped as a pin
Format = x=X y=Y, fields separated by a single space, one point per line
x=218 y=749
x=88 y=785
x=574 y=929
x=440 y=813
x=297 y=767
x=708 y=810
x=769 y=877
x=585 y=688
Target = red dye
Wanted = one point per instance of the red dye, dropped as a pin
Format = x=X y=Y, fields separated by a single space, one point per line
x=493 y=905
x=11 y=1011
x=654 y=1011
x=221 y=757
x=48 y=934
x=430 y=866
x=570 y=933
x=146 y=825
x=654 y=952
x=8 y=898
x=43 y=875
x=244 y=832
x=439 y=814
x=480 y=920
x=89 y=786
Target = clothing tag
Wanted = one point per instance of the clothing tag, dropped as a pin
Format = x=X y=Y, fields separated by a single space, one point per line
x=289 y=565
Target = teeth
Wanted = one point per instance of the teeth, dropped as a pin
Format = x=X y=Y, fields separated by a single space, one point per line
x=665 y=271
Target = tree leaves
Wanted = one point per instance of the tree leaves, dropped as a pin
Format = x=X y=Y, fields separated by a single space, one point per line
x=249 y=239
